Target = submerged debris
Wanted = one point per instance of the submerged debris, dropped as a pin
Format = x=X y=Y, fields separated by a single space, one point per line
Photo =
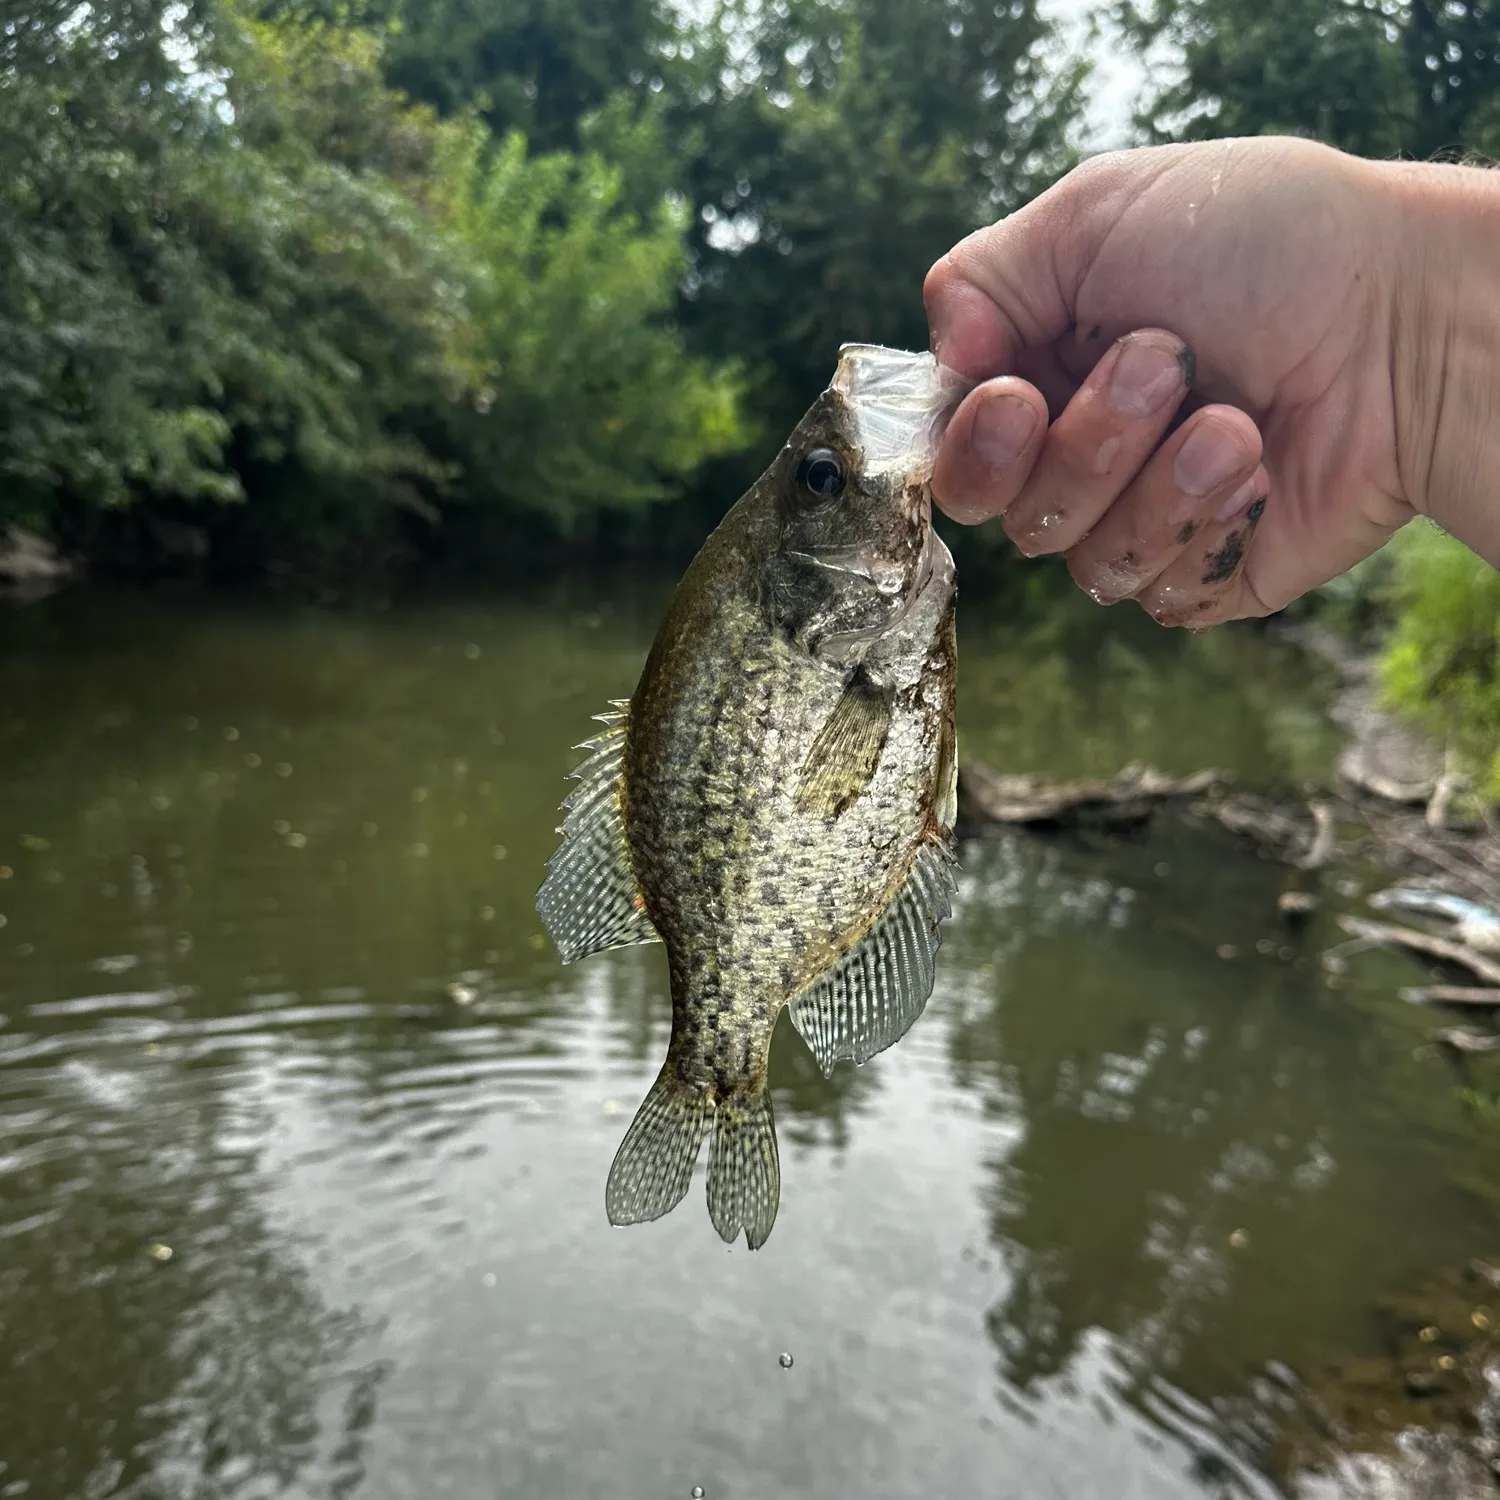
x=1451 y=994
x=1461 y=1038
x=1424 y=942
x=1131 y=797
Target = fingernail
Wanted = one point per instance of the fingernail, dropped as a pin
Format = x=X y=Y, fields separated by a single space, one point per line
x=1145 y=378
x=1238 y=501
x=1002 y=427
x=1210 y=457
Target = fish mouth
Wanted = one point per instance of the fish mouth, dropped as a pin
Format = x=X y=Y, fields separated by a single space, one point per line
x=899 y=403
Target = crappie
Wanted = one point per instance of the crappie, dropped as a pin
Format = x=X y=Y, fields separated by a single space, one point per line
x=776 y=801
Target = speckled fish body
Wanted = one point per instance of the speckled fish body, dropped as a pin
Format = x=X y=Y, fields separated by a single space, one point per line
x=775 y=802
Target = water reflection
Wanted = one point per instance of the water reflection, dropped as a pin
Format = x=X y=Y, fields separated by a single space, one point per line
x=248 y=857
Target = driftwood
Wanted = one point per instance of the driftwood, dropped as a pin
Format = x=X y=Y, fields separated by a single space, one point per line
x=986 y=796
x=1337 y=823
x=1425 y=942
x=1461 y=1039
x=1451 y=994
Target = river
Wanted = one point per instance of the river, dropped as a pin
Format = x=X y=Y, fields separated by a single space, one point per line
x=304 y=1129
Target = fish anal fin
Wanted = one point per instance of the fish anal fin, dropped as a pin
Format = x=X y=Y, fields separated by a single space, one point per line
x=871 y=995
x=590 y=900
x=744 y=1167
x=847 y=750
x=653 y=1168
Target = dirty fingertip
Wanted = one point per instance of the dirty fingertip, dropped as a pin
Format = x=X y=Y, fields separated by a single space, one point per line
x=967 y=332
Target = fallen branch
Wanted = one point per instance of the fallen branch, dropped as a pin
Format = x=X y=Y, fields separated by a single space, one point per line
x=987 y=796
x=1325 y=841
x=1451 y=994
x=1423 y=942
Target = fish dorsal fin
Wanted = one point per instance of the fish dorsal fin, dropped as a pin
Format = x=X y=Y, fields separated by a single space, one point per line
x=590 y=900
x=880 y=984
x=847 y=750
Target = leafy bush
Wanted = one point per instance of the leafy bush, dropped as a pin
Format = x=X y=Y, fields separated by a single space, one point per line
x=1442 y=663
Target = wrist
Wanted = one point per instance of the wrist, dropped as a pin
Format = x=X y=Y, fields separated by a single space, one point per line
x=1446 y=347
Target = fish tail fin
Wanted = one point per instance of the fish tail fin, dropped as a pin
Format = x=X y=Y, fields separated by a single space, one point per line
x=744 y=1170
x=654 y=1166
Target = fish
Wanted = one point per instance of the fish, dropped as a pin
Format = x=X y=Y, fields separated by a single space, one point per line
x=775 y=802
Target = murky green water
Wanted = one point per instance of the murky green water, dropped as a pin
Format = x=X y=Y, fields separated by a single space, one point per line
x=279 y=1217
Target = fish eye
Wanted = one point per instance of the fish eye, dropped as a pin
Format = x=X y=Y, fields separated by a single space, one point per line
x=821 y=474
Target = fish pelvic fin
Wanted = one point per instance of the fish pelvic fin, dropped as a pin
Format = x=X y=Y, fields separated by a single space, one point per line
x=590 y=900
x=880 y=984
x=744 y=1167
x=653 y=1168
x=847 y=750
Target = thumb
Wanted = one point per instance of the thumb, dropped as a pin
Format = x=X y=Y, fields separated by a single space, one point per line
x=1014 y=285
x=1004 y=289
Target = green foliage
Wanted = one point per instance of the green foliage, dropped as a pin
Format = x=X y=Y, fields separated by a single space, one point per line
x=587 y=397
x=1377 y=77
x=846 y=145
x=1442 y=664
x=198 y=293
x=241 y=270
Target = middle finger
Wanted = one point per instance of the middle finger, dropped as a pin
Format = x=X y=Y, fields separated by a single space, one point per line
x=1100 y=440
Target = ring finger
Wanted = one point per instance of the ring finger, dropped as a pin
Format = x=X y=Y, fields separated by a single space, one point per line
x=1200 y=473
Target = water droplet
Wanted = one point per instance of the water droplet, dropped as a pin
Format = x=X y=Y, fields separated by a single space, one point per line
x=472 y=652
x=190 y=722
x=369 y=829
x=231 y=733
x=297 y=840
x=282 y=769
x=499 y=851
x=252 y=760
x=1239 y=1239
x=161 y=1252
x=486 y=913
x=2 y=919
x=281 y=826
x=785 y=1361
x=419 y=794
x=696 y=1492
x=6 y=872
x=489 y=1278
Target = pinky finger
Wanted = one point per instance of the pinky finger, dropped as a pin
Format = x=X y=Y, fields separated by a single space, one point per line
x=1207 y=585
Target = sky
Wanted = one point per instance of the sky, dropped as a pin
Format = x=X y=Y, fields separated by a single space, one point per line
x=1117 y=79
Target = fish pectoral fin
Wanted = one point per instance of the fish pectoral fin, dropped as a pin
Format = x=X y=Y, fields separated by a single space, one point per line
x=744 y=1168
x=654 y=1165
x=844 y=756
x=945 y=800
x=869 y=998
x=590 y=899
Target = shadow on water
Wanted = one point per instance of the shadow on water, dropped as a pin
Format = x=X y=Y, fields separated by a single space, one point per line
x=273 y=997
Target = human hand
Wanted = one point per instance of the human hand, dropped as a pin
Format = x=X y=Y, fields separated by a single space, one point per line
x=1286 y=275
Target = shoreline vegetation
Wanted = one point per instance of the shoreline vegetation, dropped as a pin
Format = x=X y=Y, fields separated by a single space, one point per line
x=320 y=294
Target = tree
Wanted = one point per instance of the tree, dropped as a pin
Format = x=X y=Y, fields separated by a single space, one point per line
x=253 y=288
x=846 y=144
x=1377 y=77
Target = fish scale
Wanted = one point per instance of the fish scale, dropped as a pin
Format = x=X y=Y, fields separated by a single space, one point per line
x=776 y=804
